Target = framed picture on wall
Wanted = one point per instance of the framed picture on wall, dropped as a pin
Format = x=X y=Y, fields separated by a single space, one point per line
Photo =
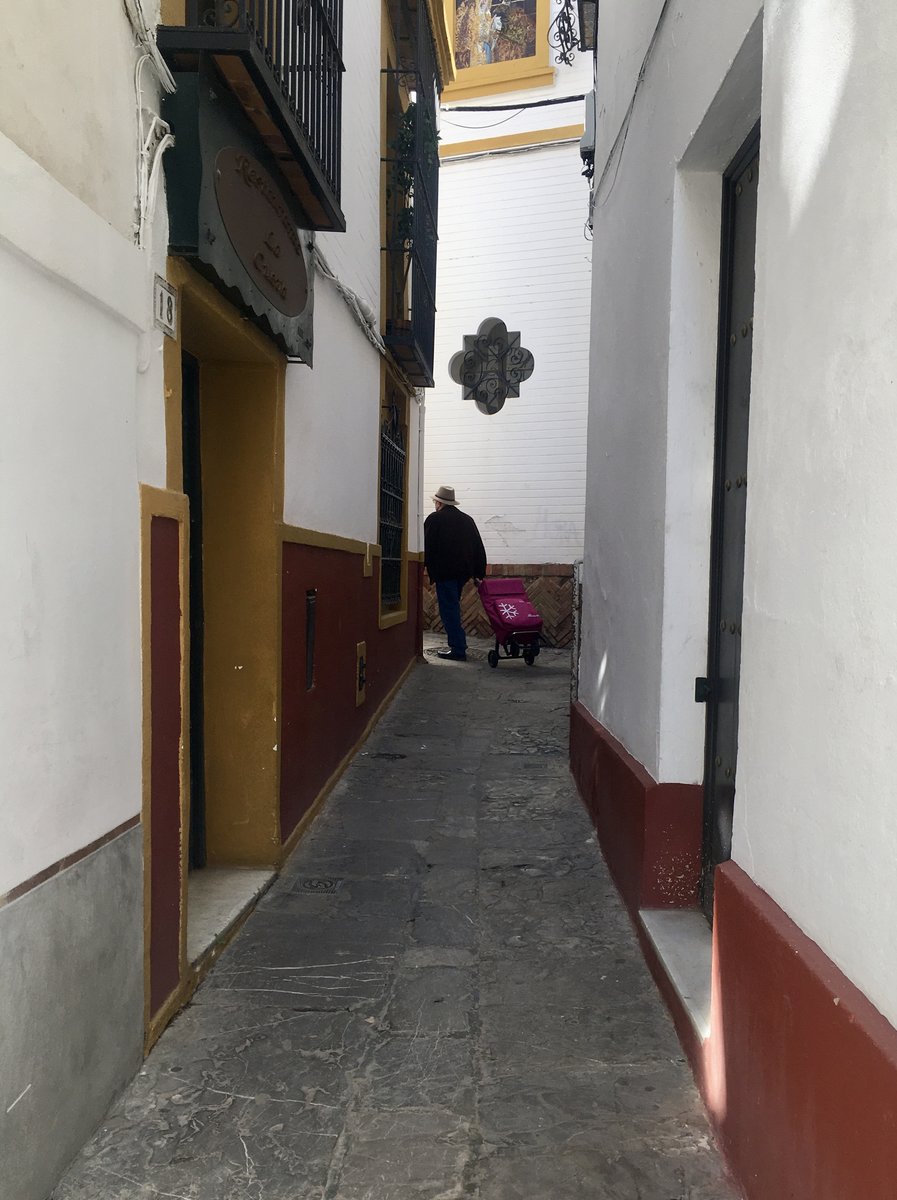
x=498 y=46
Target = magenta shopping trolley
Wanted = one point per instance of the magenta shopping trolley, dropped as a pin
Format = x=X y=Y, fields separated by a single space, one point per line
x=515 y=621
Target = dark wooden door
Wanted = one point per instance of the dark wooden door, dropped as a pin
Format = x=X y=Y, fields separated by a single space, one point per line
x=190 y=410
x=729 y=505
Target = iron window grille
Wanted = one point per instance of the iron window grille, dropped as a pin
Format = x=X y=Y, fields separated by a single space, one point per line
x=393 y=454
x=412 y=166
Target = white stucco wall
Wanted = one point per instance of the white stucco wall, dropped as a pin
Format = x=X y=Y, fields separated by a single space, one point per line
x=72 y=298
x=333 y=410
x=417 y=509
x=332 y=428
x=625 y=32
x=355 y=255
x=512 y=245
x=653 y=361
x=152 y=446
x=816 y=823
x=67 y=98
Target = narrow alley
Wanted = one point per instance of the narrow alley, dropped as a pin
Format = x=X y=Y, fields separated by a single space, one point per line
x=441 y=995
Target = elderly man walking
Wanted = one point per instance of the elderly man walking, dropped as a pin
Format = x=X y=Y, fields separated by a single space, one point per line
x=453 y=553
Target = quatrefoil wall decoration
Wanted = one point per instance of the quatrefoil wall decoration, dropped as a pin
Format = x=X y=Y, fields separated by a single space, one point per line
x=492 y=366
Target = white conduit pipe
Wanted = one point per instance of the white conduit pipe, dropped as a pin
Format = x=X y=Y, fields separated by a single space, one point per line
x=359 y=308
x=147 y=39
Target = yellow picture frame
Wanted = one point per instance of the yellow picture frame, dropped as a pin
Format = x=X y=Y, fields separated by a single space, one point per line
x=533 y=71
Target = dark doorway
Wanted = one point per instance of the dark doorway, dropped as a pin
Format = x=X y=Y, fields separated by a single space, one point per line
x=736 y=327
x=190 y=409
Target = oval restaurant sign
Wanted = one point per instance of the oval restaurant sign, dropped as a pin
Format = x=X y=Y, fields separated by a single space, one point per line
x=262 y=230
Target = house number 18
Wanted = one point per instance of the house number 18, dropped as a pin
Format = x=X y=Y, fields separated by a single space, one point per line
x=165 y=307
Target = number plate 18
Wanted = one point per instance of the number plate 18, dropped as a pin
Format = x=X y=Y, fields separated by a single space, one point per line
x=165 y=307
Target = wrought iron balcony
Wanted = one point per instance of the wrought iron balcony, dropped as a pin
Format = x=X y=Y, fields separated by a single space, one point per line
x=413 y=197
x=282 y=59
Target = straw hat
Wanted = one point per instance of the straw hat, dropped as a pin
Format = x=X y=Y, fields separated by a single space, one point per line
x=445 y=495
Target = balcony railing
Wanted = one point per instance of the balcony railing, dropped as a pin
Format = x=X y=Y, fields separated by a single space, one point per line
x=283 y=62
x=412 y=218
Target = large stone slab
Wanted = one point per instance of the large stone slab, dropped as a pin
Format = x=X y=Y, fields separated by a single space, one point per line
x=466 y=1014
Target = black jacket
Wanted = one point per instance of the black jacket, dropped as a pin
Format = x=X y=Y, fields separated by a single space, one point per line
x=453 y=548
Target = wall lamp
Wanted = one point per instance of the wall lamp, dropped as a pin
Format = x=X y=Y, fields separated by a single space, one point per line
x=588 y=23
x=569 y=33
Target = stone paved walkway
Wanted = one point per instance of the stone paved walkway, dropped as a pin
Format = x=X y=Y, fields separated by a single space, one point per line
x=468 y=1015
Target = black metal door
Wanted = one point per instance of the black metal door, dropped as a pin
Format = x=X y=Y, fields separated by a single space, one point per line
x=193 y=489
x=729 y=505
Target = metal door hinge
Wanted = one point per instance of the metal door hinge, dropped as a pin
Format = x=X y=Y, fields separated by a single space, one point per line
x=703 y=690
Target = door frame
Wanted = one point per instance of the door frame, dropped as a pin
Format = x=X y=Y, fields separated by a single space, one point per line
x=192 y=475
x=215 y=333
x=746 y=152
x=162 y=503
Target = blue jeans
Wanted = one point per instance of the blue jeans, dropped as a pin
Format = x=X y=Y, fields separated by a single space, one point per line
x=448 y=597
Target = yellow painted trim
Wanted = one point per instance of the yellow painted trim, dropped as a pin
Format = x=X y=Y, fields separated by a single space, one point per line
x=174 y=433
x=174 y=12
x=156 y=502
x=318 y=803
x=508 y=141
x=444 y=41
x=491 y=78
x=243 y=342
x=280 y=457
x=415 y=556
x=387 y=620
x=536 y=79
x=197 y=971
x=328 y=541
x=244 y=827
x=241 y=564
x=172 y=1005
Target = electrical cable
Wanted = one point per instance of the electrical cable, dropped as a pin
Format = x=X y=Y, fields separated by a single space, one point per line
x=623 y=131
x=360 y=310
x=509 y=107
x=491 y=125
x=147 y=40
x=152 y=143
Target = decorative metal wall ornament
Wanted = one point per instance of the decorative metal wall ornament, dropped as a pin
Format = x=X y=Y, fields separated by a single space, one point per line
x=563 y=34
x=492 y=365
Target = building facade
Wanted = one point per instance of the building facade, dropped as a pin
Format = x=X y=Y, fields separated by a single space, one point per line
x=514 y=247
x=218 y=244
x=733 y=732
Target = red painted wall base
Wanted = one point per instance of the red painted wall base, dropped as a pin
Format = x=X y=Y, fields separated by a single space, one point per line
x=800 y=1070
x=322 y=723
x=650 y=832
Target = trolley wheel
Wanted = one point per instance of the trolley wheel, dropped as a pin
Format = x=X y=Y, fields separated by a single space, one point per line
x=514 y=649
x=529 y=658
x=492 y=657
